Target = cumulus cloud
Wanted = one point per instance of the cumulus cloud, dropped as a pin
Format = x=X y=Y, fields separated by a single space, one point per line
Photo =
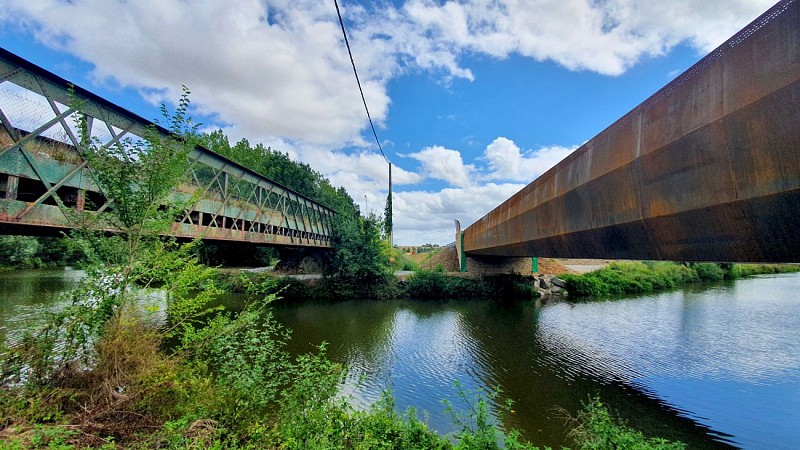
x=507 y=162
x=606 y=37
x=277 y=69
x=272 y=70
x=426 y=216
x=445 y=164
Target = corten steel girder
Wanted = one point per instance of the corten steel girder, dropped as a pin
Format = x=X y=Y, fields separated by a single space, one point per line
x=707 y=169
x=46 y=183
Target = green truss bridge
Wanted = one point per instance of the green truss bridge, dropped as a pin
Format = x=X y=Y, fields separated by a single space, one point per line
x=45 y=179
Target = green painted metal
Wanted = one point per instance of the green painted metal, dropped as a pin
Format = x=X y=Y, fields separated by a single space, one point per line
x=462 y=256
x=534 y=265
x=45 y=182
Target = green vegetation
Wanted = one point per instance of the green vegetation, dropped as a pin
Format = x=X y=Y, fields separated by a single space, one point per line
x=25 y=252
x=746 y=270
x=357 y=267
x=436 y=285
x=387 y=217
x=279 y=167
x=594 y=429
x=422 y=285
x=621 y=278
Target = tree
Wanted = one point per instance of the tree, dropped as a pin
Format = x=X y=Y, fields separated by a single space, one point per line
x=387 y=218
x=279 y=167
x=136 y=176
x=357 y=263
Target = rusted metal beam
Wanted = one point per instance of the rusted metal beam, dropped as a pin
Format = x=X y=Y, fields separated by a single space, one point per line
x=707 y=169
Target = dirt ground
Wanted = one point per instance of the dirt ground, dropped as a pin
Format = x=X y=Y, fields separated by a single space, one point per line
x=551 y=266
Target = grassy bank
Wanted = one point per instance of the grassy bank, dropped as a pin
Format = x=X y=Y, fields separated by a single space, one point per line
x=423 y=285
x=621 y=278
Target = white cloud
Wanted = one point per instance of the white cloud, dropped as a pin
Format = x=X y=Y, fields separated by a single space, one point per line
x=445 y=164
x=278 y=68
x=607 y=37
x=290 y=78
x=507 y=162
x=428 y=216
x=421 y=216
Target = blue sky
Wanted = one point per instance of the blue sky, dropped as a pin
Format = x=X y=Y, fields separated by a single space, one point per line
x=472 y=99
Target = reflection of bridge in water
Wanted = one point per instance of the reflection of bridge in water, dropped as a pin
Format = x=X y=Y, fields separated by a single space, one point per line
x=44 y=178
x=707 y=169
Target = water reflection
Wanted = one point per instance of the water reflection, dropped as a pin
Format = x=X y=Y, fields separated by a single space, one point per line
x=28 y=295
x=420 y=348
x=726 y=357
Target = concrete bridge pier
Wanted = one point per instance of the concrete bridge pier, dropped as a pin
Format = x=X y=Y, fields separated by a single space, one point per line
x=491 y=265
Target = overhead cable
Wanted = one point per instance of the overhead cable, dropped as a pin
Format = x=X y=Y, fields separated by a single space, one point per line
x=347 y=43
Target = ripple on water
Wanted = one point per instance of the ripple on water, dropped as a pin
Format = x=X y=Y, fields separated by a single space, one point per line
x=728 y=358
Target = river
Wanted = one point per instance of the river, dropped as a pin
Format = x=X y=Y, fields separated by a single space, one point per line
x=712 y=365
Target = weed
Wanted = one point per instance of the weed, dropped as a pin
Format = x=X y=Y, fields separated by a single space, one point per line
x=595 y=429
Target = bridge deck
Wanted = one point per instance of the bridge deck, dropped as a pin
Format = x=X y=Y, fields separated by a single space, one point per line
x=707 y=169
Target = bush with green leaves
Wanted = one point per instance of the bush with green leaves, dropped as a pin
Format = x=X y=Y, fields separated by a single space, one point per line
x=596 y=429
x=439 y=285
x=477 y=428
x=629 y=278
x=708 y=271
x=621 y=278
x=357 y=264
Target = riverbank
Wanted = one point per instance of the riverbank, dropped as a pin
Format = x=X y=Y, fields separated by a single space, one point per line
x=610 y=279
x=420 y=285
x=621 y=278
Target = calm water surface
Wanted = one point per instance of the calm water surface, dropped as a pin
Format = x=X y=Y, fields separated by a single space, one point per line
x=713 y=366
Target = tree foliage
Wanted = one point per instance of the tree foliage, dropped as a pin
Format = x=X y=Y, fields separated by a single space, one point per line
x=38 y=251
x=281 y=168
x=387 y=217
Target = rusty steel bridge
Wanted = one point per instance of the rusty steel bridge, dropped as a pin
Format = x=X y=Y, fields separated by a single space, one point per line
x=707 y=169
x=45 y=178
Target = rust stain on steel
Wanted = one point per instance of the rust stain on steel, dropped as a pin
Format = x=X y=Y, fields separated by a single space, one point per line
x=707 y=169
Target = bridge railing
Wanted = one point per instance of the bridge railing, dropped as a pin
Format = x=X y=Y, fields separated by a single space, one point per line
x=45 y=178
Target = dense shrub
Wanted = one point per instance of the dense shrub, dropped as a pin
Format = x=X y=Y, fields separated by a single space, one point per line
x=708 y=271
x=746 y=270
x=596 y=429
x=629 y=278
x=438 y=285
x=584 y=286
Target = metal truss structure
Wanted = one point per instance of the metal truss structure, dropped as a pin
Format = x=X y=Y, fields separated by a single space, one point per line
x=45 y=178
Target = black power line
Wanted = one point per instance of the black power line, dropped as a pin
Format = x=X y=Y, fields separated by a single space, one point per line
x=347 y=43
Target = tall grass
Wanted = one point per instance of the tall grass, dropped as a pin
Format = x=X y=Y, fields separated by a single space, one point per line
x=621 y=278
